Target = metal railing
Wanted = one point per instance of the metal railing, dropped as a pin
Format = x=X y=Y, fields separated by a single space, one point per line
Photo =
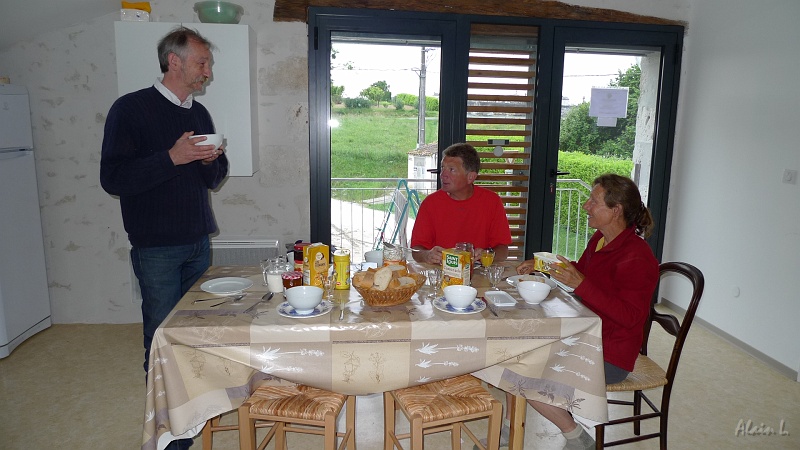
x=359 y=205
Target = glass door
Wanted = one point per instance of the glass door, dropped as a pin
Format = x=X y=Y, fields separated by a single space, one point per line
x=374 y=152
x=611 y=112
x=384 y=130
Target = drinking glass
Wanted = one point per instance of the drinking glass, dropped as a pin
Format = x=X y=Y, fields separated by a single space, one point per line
x=495 y=274
x=328 y=283
x=487 y=257
x=435 y=281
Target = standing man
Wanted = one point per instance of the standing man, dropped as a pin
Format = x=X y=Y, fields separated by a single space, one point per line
x=460 y=211
x=162 y=178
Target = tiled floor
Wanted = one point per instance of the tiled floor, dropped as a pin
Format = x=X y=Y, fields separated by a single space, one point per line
x=82 y=387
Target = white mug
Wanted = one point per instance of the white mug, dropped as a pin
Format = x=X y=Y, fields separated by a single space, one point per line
x=374 y=256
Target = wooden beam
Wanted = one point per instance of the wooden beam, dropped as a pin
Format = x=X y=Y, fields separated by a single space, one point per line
x=297 y=10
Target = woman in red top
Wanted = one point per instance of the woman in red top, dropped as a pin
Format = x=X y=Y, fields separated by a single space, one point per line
x=615 y=277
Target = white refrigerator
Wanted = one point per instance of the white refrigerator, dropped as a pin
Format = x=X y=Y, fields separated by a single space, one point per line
x=24 y=296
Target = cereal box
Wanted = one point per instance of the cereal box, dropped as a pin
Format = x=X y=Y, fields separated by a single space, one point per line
x=455 y=267
x=543 y=260
x=315 y=263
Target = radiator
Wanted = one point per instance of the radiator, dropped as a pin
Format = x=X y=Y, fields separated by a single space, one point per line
x=243 y=251
x=227 y=252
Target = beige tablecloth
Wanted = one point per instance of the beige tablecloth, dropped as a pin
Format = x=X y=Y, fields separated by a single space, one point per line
x=206 y=360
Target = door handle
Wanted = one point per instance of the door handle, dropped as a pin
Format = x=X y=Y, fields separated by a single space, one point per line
x=554 y=173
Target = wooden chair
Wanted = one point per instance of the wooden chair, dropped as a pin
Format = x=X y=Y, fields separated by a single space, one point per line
x=212 y=426
x=441 y=406
x=297 y=409
x=649 y=375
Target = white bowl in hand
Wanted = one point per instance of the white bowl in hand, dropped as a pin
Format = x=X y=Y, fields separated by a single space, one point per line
x=459 y=296
x=533 y=292
x=211 y=139
x=304 y=298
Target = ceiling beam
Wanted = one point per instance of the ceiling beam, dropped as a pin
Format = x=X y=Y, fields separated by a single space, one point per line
x=297 y=10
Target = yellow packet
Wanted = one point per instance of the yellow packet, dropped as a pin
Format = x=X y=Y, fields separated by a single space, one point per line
x=455 y=267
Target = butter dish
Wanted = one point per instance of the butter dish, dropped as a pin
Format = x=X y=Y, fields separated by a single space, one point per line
x=499 y=298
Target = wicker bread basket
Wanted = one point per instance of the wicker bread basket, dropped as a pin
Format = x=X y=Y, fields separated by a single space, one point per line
x=392 y=297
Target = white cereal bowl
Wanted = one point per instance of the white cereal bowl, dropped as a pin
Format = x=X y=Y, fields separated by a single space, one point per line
x=533 y=292
x=459 y=297
x=304 y=298
x=211 y=139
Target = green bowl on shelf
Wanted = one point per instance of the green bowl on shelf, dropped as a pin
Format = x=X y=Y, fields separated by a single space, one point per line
x=218 y=12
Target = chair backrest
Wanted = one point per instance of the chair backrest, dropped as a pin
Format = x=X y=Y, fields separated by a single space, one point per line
x=669 y=322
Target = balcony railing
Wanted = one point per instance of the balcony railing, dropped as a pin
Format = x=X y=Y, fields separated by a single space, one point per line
x=359 y=213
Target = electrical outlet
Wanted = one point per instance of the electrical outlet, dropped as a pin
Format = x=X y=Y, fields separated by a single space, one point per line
x=790 y=176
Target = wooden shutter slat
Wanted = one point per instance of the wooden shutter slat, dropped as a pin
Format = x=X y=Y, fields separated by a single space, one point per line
x=495 y=188
x=500 y=98
x=502 y=61
x=506 y=154
x=501 y=177
x=485 y=73
x=519 y=133
x=488 y=165
x=498 y=121
x=502 y=86
x=499 y=109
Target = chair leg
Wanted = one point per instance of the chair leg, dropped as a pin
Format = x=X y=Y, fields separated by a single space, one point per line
x=247 y=429
x=350 y=421
x=207 y=434
x=599 y=437
x=389 y=417
x=637 y=409
x=495 y=423
x=455 y=436
x=330 y=432
x=417 y=437
x=280 y=436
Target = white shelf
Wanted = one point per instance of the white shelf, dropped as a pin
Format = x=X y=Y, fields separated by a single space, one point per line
x=229 y=96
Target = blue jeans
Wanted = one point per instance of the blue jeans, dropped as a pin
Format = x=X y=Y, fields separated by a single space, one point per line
x=165 y=274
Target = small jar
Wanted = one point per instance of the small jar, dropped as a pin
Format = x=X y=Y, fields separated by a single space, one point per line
x=393 y=255
x=298 y=255
x=292 y=279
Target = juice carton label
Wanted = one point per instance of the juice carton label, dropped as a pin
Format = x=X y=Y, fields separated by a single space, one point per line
x=455 y=267
x=315 y=264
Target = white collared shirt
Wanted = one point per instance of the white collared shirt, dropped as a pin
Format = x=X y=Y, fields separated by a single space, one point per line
x=169 y=95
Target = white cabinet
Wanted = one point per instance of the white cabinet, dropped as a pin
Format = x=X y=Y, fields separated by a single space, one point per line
x=230 y=96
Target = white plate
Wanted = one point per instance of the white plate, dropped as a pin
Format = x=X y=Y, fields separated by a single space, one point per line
x=550 y=282
x=226 y=285
x=286 y=310
x=499 y=298
x=474 y=307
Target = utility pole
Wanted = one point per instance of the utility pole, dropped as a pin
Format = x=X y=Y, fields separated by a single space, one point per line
x=422 y=102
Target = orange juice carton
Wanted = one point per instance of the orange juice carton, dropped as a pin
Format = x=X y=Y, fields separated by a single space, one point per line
x=542 y=261
x=455 y=267
x=315 y=264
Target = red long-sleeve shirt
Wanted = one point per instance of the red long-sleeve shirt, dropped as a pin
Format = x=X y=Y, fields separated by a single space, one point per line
x=618 y=286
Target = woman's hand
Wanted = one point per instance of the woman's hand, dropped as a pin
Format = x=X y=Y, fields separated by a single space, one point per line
x=566 y=273
x=526 y=267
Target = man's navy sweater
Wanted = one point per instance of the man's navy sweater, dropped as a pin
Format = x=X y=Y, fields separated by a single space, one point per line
x=162 y=204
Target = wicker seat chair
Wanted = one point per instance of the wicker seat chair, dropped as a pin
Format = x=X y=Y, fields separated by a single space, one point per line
x=649 y=375
x=297 y=409
x=441 y=406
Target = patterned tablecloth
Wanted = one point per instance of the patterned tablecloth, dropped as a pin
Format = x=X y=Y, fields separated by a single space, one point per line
x=206 y=359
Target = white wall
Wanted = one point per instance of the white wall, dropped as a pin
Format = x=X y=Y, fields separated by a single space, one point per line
x=71 y=76
x=727 y=204
x=730 y=215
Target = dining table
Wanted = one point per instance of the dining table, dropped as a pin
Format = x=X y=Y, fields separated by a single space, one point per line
x=214 y=349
